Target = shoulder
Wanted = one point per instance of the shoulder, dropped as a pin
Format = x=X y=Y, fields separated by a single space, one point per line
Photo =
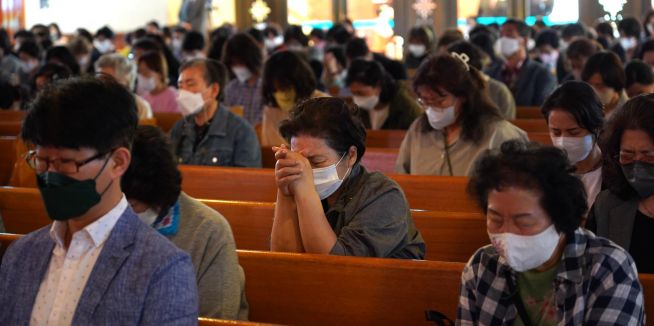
x=376 y=186
x=23 y=246
x=237 y=123
x=603 y=256
x=502 y=129
x=484 y=264
x=151 y=250
x=201 y=214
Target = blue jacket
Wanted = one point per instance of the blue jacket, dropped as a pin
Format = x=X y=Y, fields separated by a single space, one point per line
x=534 y=84
x=230 y=141
x=139 y=278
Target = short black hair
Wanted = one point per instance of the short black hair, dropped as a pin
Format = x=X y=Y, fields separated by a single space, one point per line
x=338 y=34
x=8 y=95
x=424 y=33
x=30 y=48
x=330 y=118
x=582 y=47
x=244 y=48
x=609 y=66
x=287 y=69
x=636 y=114
x=449 y=36
x=544 y=170
x=317 y=33
x=580 y=100
x=604 y=28
x=82 y=112
x=473 y=52
x=147 y=44
x=193 y=41
x=84 y=33
x=5 y=41
x=214 y=72
x=645 y=47
x=294 y=32
x=548 y=37
x=64 y=56
x=106 y=32
x=639 y=72
x=484 y=41
x=28 y=35
x=629 y=26
x=339 y=54
x=372 y=73
x=152 y=177
x=256 y=34
x=356 y=48
x=572 y=30
x=53 y=72
x=523 y=29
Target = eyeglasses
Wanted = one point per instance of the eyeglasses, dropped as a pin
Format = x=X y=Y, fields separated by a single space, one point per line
x=629 y=157
x=65 y=166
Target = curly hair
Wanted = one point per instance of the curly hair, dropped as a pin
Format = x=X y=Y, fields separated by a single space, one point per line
x=545 y=170
x=152 y=177
x=450 y=73
x=330 y=118
x=636 y=114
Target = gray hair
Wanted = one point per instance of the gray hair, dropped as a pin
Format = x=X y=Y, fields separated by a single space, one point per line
x=124 y=68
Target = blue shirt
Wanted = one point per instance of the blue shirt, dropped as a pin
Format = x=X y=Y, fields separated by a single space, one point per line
x=230 y=141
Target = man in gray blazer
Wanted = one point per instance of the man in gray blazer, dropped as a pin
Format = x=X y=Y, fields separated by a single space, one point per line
x=194 y=14
x=97 y=263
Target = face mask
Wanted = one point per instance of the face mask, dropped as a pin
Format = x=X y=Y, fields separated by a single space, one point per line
x=531 y=44
x=103 y=46
x=576 y=74
x=440 y=118
x=606 y=96
x=65 y=197
x=418 y=50
x=326 y=179
x=28 y=66
x=524 y=252
x=145 y=85
x=285 y=99
x=563 y=45
x=176 y=44
x=148 y=216
x=628 y=43
x=84 y=61
x=189 y=103
x=242 y=73
x=549 y=59
x=507 y=46
x=640 y=176
x=577 y=148
x=366 y=102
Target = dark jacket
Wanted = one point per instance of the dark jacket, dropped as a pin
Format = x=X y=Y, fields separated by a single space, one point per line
x=533 y=85
x=402 y=110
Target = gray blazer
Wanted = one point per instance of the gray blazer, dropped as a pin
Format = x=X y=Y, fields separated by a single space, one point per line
x=139 y=278
x=534 y=84
x=613 y=218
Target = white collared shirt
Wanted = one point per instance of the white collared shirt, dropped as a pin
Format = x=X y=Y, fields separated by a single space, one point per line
x=69 y=270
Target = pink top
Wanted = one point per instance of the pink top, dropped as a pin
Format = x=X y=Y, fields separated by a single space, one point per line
x=165 y=101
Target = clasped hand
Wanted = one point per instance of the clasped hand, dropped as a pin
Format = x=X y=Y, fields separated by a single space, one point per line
x=292 y=171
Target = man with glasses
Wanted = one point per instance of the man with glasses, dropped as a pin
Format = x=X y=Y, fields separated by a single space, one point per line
x=96 y=263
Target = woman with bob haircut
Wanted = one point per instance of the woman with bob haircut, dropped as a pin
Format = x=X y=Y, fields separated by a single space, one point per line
x=541 y=268
x=328 y=203
x=459 y=123
x=605 y=72
x=624 y=213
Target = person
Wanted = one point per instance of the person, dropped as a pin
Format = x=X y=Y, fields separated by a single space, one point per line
x=193 y=46
x=447 y=38
x=50 y=73
x=646 y=53
x=152 y=185
x=639 y=78
x=335 y=72
x=245 y=59
x=623 y=212
x=287 y=81
x=328 y=203
x=547 y=52
x=113 y=267
x=152 y=83
x=10 y=65
x=385 y=103
x=124 y=71
x=575 y=121
x=210 y=134
x=62 y=55
x=570 y=33
x=459 y=122
x=104 y=40
x=529 y=81
x=193 y=15
x=498 y=92
x=541 y=268
x=578 y=53
x=357 y=48
x=421 y=42
x=605 y=73
x=29 y=54
x=627 y=46
x=84 y=54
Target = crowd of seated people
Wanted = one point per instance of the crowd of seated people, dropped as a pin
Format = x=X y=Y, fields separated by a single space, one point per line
x=569 y=224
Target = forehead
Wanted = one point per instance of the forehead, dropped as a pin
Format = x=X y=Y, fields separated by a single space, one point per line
x=636 y=139
x=309 y=145
x=560 y=118
x=192 y=73
x=595 y=79
x=427 y=92
x=56 y=152
x=512 y=200
x=509 y=29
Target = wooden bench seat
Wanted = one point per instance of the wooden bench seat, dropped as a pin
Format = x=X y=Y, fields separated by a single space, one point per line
x=531 y=125
x=166 y=120
x=528 y=112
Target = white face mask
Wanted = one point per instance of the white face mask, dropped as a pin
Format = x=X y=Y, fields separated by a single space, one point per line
x=326 y=179
x=29 y=66
x=103 y=46
x=148 y=216
x=242 y=73
x=189 y=103
x=549 y=59
x=366 y=102
x=524 y=252
x=628 y=43
x=418 y=50
x=563 y=45
x=176 y=44
x=440 y=118
x=577 y=148
x=507 y=46
x=144 y=84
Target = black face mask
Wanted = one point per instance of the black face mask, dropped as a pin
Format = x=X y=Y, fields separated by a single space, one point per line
x=65 y=197
x=640 y=176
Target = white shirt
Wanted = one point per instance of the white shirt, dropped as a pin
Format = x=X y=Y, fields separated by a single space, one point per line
x=378 y=117
x=69 y=270
x=593 y=184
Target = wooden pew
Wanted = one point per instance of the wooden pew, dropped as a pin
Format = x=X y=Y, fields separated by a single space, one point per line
x=202 y=321
x=528 y=112
x=12 y=115
x=10 y=128
x=376 y=159
x=166 y=120
x=542 y=138
x=7 y=158
x=531 y=125
x=384 y=138
x=304 y=289
x=5 y=240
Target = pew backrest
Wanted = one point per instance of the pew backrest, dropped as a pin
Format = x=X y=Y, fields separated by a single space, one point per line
x=531 y=125
x=7 y=158
x=166 y=120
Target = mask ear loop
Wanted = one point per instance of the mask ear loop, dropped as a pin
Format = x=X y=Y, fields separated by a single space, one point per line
x=348 y=168
x=102 y=169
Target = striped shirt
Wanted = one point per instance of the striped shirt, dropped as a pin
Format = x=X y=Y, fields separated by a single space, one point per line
x=237 y=93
